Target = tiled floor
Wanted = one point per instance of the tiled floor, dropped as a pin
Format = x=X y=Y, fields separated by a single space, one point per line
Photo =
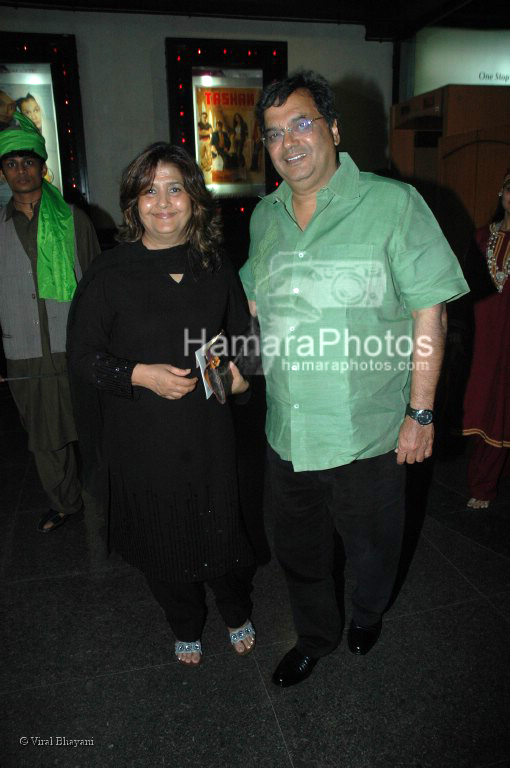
x=87 y=655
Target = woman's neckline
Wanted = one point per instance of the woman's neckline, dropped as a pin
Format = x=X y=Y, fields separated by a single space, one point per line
x=180 y=246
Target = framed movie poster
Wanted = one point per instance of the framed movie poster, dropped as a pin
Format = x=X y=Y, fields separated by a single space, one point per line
x=213 y=87
x=29 y=89
x=227 y=139
x=39 y=77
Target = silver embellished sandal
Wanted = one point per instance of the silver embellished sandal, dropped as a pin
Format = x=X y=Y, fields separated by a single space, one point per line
x=238 y=635
x=188 y=648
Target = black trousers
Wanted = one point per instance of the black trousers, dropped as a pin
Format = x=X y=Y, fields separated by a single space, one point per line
x=364 y=502
x=185 y=607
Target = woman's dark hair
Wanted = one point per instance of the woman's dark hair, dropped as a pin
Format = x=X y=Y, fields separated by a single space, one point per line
x=499 y=213
x=204 y=227
x=22 y=100
x=277 y=94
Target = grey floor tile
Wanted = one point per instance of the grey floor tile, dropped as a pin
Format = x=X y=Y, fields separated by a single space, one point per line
x=218 y=716
x=11 y=479
x=74 y=627
x=431 y=582
x=487 y=570
x=434 y=692
x=501 y=601
x=79 y=546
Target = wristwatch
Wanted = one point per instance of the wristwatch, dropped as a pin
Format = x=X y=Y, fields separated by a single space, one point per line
x=422 y=415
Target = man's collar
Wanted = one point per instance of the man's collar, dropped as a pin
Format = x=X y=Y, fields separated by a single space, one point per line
x=344 y=182
x=10 y=209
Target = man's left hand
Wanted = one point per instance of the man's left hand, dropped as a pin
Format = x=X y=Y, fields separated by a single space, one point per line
x=414 y=442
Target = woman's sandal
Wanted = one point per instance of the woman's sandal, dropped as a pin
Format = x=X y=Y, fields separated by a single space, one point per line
x=247 y=631
x=189 y=649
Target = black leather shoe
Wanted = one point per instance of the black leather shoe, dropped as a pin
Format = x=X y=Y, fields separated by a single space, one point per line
x=293 y=668
x=362 y=639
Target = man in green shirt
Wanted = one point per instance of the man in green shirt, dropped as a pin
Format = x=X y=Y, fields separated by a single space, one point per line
x=44 y=248
x=348 y=273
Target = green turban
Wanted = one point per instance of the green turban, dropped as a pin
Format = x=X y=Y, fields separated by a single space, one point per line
x=26 y=137
x=55 y=231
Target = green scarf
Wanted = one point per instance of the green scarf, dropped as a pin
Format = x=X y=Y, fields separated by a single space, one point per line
x=55 y=231
x=55 y=247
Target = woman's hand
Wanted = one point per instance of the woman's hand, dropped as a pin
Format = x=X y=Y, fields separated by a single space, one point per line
x=239 y=384
x=164 y=379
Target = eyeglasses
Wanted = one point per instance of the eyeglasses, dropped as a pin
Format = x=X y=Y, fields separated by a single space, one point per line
x=300 y=126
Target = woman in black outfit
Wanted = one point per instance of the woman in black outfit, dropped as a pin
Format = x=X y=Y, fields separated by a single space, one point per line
x=136 y=322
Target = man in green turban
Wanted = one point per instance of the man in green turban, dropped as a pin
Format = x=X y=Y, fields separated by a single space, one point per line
x=45 y=245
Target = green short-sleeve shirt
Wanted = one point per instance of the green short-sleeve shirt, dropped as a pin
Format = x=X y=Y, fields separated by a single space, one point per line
x=334 y=303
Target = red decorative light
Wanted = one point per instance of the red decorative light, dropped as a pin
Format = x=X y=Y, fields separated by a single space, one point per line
x=249 y=53
x=180 y=86
x=276 y=183
x=64 y=73
x=178 y=58
x=66 y=102
x=181 y=114
x=69 y=130
x=25 y=47
x=55 y=50
x=274 y=53
x=199 y=51
x=74 y=186
x=183 y=140
x=224 y=50
x=242 y=210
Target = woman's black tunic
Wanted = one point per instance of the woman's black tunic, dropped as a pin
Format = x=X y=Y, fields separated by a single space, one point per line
x=172 y=482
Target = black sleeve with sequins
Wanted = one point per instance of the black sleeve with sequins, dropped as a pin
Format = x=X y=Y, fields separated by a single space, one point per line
x=113 y=374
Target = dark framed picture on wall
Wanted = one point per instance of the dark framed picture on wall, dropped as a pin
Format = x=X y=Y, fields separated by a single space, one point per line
x=213 y=86
x=39 y=77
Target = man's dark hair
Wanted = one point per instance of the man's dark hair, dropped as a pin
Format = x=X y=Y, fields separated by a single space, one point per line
x=204 y=228
x=22 y=153
x=277 y=94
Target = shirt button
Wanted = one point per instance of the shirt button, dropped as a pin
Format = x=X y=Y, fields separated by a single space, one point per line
x=292 y=328
x=296 y=405
x=301 y=254
x=295 y=290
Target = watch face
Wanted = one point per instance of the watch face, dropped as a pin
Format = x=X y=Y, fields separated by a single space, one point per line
x=424 y=417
